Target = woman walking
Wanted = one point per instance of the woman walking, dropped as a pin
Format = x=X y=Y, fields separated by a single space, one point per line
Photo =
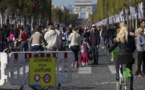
x=139 y=45
x=36 y=40
x=127 y=47
x=75 y=42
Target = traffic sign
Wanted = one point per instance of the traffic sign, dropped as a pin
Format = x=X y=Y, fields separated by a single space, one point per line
x=42 y=71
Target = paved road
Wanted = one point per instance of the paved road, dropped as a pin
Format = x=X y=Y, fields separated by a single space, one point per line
x=100 y=77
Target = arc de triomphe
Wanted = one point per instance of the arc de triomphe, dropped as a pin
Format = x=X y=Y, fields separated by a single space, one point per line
x=79 y=4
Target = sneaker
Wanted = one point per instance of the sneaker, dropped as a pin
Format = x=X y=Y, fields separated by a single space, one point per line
x=83 y=63
x=86 y=64
x=140 y=75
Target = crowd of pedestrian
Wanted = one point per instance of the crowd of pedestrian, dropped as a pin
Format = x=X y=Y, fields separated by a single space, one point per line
x=83 y=41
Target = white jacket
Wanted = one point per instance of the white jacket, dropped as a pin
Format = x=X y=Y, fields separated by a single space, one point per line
x=75 y=39
x=52 y=39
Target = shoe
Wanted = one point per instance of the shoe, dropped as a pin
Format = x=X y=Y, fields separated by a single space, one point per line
x=140 y=75
x=83 y=63
x=86 y=64
x=112 y=60
x=75 y=65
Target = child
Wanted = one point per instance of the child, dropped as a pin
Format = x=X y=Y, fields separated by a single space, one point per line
x=84 y=52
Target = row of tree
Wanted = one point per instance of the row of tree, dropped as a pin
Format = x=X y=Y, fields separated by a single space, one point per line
x=23 y=12
x=111 y=7
x=63 y=16
x=18 y=9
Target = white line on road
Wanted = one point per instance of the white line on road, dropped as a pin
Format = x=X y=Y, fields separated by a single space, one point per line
x=85 y=70
x=112 y=69
x=102 y=83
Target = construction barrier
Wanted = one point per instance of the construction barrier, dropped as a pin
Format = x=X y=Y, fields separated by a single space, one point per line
x=3 y=63
x=52 y=67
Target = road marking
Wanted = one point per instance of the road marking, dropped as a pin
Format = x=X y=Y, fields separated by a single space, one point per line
x=102 y=83
x=112 y=69
x=85 y=70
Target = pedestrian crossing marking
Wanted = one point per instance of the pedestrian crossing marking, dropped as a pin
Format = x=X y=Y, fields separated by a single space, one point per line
x=85 y=70
x=112 y=69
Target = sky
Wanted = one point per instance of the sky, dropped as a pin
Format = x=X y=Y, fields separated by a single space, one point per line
x=67 y=2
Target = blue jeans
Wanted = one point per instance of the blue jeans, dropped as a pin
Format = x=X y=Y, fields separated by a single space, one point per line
x=63 y=46
x=51 y=49
x=24 y=46
x=36 y=48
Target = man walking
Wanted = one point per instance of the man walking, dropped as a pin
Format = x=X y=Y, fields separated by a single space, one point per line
x=52 y=39
x=94 y=41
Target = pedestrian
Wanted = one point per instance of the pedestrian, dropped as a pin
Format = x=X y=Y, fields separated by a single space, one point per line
x=106 y=35
x=63 y=39
x=37 y=39
x=24 y=40
x=75 y=42
x=84 y=52
x=139 y=45
x=94 y=42
x=2 y=39
x=143 y=40
x=52 y=39
x=125 y=55
x=11 y=39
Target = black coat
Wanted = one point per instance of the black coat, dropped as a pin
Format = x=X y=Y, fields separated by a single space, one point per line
x=106 y=33
x=126 y=50
x=96 y=38
x=128 y=47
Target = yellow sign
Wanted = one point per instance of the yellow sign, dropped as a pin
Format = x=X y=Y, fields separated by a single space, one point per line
x=42 y=71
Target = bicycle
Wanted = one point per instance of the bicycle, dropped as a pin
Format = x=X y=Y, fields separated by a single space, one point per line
x=124 y=78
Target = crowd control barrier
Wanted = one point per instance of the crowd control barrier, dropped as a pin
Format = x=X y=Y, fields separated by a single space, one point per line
x=3 y=62
x=37 y=68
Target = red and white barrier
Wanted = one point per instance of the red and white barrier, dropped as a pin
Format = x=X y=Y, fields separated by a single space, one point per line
x=19 y=66
x=4 y=61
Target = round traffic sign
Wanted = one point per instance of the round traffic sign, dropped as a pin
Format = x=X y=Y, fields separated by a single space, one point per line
x=37 y=77
x=47 y=78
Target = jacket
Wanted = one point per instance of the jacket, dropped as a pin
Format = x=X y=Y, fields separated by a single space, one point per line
x=127 y=47
x=106 y=33
x=96 y=38
x=52 y=39
x=75 y=39
x=125 y=54
x=139 y=44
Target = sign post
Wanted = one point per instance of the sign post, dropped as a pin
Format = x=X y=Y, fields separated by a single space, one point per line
x=42 y=71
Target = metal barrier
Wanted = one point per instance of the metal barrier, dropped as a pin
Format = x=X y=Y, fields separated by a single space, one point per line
x=4 y=61
x=19 y=66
